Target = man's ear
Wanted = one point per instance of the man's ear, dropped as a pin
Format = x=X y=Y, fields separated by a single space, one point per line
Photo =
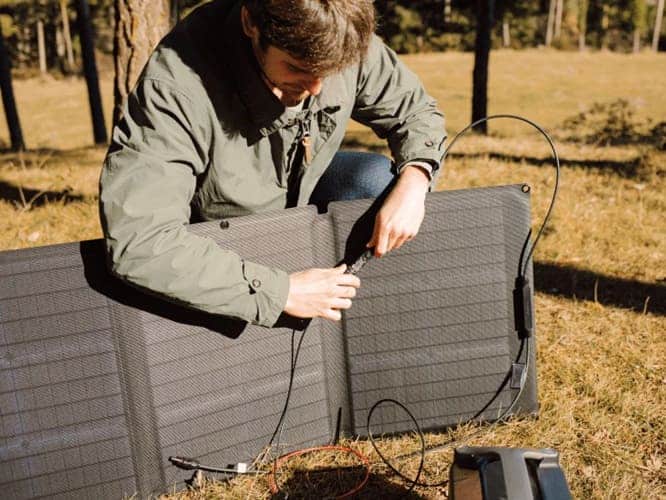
x=249 y=28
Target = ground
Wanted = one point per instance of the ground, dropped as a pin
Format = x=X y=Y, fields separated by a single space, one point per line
x=600 y=269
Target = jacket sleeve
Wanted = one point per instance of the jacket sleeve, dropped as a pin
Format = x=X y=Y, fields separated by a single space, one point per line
x=147 y=182
x=391 y=100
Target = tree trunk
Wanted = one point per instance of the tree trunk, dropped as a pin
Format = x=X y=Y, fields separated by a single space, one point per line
x=485 y=16
x=41 y=47
x=140 y=25
x=657 y=25
x=550 y=22
x=605 y=23
x=559 y=13
x=90 y=70
x=506 y=34
x=67 y=35
x=13 y=123
x=637 y=41
x=447 y=11
x=60 y=45
x=582 y=23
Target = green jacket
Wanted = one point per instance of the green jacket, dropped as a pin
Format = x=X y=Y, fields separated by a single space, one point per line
x=202 y=138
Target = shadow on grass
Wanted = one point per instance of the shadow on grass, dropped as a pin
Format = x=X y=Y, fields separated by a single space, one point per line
x=570 y=282
x=627 y=169
x=9 y=155
x=335 y=482
x=35 y=198
x=623 y=168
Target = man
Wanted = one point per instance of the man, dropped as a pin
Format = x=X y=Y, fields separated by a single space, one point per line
x=242 y=109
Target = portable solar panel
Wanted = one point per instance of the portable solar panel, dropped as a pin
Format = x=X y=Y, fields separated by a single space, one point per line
x=101 y=382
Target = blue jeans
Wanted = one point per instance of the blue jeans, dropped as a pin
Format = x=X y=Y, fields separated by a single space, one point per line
x=352 y=175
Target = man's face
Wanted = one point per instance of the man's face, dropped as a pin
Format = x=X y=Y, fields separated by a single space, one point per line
x=286 y=77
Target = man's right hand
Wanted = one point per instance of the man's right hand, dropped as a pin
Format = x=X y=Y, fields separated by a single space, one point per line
x=321 y=293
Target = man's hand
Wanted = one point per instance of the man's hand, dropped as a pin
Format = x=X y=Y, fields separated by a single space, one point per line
x=321 y=293
x=401 y=216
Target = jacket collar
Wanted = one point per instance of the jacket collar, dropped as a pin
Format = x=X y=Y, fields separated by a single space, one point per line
x=264 y=108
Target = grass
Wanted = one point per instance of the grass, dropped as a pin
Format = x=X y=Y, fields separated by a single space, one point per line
x=600 y=269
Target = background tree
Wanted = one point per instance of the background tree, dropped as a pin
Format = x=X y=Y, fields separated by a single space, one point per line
x=486 y=13
x=583 y=6
x=550 y=23
x=638 y=21
x=90 y=71
x=67 y=37
x=140 y=25
x=13 y=123
x=659 y=14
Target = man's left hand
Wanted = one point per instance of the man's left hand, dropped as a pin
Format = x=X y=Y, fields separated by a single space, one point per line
x=400 y=218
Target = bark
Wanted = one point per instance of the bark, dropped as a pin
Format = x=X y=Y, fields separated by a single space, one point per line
x=11 y=114
x=582 y=23
x=637 y=41
x=550 y=22
x=67 y=35
x=506 y=34
x=559 y=13
x=485 y=16
x=657 y=25
x=605 y=22
x=41 y=47
x=90 y=71
x=140 y=25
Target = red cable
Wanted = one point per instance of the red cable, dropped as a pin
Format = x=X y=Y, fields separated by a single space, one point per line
x=284 y=458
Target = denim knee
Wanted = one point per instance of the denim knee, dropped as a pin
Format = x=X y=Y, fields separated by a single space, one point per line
x=351 y=176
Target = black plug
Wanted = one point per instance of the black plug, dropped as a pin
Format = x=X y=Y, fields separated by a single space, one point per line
x=185 y=463
x=356 y=266
x=522 y=308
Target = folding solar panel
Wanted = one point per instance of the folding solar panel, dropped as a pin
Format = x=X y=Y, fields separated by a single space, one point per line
x=101 y=382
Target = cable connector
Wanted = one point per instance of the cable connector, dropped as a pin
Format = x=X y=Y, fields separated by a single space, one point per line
x=356 y=266
x=518 y=375
x=522 y=308
x=185 y=463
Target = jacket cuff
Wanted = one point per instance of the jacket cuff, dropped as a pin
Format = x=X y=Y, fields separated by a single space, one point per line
x=430 y=167
x=426 y=166
x=269 y=288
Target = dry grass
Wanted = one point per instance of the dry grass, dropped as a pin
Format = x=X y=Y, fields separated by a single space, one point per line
x=601 y=265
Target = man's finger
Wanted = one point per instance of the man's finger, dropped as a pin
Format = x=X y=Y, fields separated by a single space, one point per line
x=347 y=292
x=382 y=243
x=373 y=238
x=401 y=241
x=348 y=280
x=341 y=304
x=333 y=315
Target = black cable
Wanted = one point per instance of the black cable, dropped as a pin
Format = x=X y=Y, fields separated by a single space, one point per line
x=192 y=464
x=414 y=482
x=292 y=373
x=523 y=262
x=556 y=157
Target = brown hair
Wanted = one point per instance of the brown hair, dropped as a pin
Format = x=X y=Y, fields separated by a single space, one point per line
x=326 y=35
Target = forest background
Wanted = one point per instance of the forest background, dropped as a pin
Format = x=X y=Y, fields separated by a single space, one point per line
x=409 y=26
